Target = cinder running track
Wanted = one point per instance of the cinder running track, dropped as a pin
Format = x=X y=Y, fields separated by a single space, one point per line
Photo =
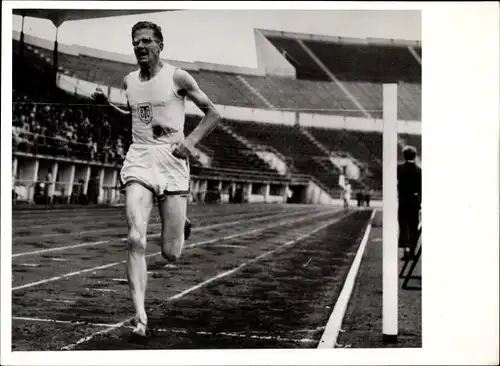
x=251 y=276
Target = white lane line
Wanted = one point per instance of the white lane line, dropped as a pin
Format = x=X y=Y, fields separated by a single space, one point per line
x=228 y=246
x=193 y=245
x=63 y=301
x=239 y=335
x=78 y=233
x=100 y=289
x=334 y=324
x=196 y=229
x=28 y=265
x=31 y=213
x=22 y=224
x=121 y=280
x=59 y=321
x=61 y=248
x=57 y=259
x=66 y=276
x=211 y=279
x=90 y=211
x=171 y=330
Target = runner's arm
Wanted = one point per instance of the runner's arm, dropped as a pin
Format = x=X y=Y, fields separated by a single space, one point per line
x=99 y=96
x=122 y=111
x=190 y=89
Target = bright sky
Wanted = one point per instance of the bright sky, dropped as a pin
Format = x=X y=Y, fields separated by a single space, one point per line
x=226 y=36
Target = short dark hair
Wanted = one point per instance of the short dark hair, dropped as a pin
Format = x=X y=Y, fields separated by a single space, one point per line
x=409 y=153
x=148 y=25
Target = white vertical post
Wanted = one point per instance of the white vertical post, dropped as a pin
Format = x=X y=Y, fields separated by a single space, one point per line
x=71 y=182
x=55 y=169
x=390 y=253
x=249 y=192
x=36 y=168
x=113 y=186
x=267 y=190
x=86 y=181
x=100 y=191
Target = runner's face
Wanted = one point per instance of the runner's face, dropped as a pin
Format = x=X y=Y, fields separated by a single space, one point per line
x=147 y=47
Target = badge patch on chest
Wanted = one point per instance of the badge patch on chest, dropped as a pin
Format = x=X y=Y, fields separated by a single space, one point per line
x=145 y=112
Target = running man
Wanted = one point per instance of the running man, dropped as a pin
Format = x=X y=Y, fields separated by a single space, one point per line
x=156 y=165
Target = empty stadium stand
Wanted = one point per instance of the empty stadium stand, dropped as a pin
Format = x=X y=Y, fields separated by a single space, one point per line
x=364 y=146
x=302 y=155
x=304 y=95
x=367 y=63
x=227 y=152
x=348 y=62
x=305 y=67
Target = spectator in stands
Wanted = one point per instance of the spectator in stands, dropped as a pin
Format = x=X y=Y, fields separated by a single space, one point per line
x=83 y=132
x=409 y=177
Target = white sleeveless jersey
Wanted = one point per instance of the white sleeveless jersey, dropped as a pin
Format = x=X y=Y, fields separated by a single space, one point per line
x=156 y=106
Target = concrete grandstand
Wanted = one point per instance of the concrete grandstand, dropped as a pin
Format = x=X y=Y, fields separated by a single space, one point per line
x=312 y=108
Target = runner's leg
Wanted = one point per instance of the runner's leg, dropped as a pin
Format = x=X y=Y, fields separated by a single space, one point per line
x=139 y=202
x=173 y=215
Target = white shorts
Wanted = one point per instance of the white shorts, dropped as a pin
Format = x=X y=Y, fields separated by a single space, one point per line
x=154 y=167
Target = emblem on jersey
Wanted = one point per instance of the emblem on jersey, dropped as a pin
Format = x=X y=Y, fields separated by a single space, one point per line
x=145 y=112
x=159 y=131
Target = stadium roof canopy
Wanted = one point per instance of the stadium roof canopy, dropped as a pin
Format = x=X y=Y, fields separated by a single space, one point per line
x=59 y=16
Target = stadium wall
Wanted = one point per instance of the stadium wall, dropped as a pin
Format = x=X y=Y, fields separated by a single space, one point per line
x=75 y=181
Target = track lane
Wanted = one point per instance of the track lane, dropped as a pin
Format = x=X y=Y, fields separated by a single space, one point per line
x=40 y=244
x=113 y=253
x=118 y=338
x=197 y=265
x=50 y=221
x=84 y=297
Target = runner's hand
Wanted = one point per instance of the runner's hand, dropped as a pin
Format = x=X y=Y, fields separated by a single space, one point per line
x=99 y=96
x=181 y=151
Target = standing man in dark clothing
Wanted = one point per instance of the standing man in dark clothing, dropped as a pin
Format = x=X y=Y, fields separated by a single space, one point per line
x=409 y=201
x=367 y=195
x=359 y=197
x=231 y=193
